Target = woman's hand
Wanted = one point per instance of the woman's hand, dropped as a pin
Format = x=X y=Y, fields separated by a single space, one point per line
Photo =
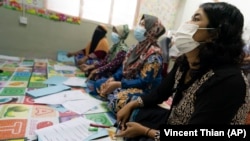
x=82 y=60
x=86 y=68
x=92 y=74
x=110 y=79
x=70 y=54
x=83 y=67
x=124 y=113
x=132 y=130
x=103 y=85
x=246 y=59
x=108 y=87
x=92 y=55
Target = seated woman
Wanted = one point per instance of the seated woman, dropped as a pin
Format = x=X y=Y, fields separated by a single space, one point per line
x=115 y=56
x=141 y=71
x=95 y=50
x=99 y=72
x=207 y=83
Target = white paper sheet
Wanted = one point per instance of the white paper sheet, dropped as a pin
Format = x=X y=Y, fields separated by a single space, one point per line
x=76 y=81
x=73 y=100
x=47 y=90
x=73 y=130
x=62 y=97
x=82 y=106
x=64 y=67
x=55 y=80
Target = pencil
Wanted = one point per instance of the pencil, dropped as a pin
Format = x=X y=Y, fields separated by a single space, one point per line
x=99 y=125
x=118 y=127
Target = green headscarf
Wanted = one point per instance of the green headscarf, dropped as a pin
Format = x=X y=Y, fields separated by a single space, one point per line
x=122 y=31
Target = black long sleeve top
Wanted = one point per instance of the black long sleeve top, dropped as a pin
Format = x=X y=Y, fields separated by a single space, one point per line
x=219 y=96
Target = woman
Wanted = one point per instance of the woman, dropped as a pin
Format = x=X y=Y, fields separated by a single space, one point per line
x=95 y=50
x=207 y=83
x=115 y=56
x=142 y=67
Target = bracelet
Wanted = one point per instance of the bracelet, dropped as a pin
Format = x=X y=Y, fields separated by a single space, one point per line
x=140 y=102
x=148 y=131
x=157 y=136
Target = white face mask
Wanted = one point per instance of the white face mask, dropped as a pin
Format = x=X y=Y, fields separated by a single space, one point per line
x=115 y=38
x=183 y=39
x=139 y=33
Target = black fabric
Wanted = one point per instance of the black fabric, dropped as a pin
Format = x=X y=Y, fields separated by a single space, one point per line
x=217 y=100
x=97 y=36
x=152 y=117
x=168 y=41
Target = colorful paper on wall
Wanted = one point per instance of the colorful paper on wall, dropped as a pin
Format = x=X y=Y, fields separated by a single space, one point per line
x=36 y=7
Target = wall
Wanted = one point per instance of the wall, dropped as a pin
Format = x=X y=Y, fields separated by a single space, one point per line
x=187 y=9
x=42 y=38
x=180 y=15
x=166 y=10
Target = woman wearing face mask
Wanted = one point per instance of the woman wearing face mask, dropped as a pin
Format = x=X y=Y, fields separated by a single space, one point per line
x=141 y=69
x=207 y=83
x=105 y=68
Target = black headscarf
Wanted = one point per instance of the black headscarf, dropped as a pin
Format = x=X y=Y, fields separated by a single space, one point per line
x=99 y=33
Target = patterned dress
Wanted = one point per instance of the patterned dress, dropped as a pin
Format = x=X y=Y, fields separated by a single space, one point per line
x=145 y=81
x=141 y=70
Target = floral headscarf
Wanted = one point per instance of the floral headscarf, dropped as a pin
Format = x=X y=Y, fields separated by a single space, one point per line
x=136 y=57
x=122 y=31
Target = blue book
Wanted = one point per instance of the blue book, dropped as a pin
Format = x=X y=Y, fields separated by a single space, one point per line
x=47 y=90
x=55 y=80
x=62 y=57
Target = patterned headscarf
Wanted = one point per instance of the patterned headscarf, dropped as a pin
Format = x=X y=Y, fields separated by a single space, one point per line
x=136 y=57
x=122 y=31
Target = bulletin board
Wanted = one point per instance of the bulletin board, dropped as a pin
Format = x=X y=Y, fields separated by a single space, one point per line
x=38 y=7
x=34 y=3
x=29 y=3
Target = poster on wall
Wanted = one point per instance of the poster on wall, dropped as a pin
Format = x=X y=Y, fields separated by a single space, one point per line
x=38 y=7
x=18 y=4
x=33 y=3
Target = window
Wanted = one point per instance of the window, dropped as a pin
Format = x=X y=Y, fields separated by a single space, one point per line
x=124 y=12
x=96 y=10
x=113 y=12
x=67 y=7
